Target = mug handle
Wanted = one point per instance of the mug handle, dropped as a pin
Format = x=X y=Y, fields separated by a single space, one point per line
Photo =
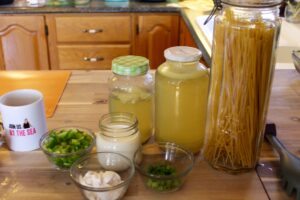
x=1 y=126
x=1 y=133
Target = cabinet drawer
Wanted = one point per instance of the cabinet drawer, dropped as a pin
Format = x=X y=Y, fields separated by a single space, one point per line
x=89 y=56
x=93 y=29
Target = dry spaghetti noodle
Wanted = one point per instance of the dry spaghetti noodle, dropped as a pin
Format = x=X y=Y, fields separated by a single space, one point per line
x=242 y=67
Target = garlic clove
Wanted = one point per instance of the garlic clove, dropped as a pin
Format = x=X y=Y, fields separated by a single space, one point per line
x=111 y=178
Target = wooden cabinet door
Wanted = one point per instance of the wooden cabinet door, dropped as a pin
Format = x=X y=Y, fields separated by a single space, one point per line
x=154 y=34
x=185 y=38
x=23 y=43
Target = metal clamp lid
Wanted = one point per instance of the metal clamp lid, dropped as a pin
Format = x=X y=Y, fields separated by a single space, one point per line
x=245 y=4
x=217 y=6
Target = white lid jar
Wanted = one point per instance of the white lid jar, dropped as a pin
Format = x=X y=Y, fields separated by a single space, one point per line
x=181 y=87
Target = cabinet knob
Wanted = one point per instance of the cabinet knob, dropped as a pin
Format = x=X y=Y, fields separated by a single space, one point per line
x=92 y=31
x=93 y=59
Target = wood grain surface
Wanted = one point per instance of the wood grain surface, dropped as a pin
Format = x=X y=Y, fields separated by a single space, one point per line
x=29 y=176
x=50 y=83
x=284 y=111
x=73 y=28
x=155 y=33
x=90 y=56
x=23 y=32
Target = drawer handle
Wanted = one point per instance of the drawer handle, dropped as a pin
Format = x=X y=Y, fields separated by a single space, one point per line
x=93 y=31
x=95 y=59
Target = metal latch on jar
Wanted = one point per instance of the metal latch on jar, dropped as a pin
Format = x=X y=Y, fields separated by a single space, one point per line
x=217 y=6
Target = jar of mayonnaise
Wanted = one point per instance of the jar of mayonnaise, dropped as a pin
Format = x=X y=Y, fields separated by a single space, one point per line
x=118 y=133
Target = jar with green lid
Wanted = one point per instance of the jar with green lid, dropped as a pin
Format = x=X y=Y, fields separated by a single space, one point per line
x=181 y=89
x=131 y=90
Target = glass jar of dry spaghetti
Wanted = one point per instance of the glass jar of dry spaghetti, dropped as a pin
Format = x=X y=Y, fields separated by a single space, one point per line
x=243 y=58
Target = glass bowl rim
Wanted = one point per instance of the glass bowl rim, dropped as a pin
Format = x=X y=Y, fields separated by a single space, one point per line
x=104 y=189
x=80 y=152
x=188 y=153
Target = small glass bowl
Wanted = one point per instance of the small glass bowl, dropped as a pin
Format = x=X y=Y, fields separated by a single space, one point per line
x=102 y=162
x=163 y=166
x=65 y=160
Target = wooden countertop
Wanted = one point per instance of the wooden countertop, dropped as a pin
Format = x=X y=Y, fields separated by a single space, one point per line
x=29 y=176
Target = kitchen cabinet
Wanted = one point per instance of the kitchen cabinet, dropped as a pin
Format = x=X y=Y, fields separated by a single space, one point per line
x=88 y=41
x=89 y=56
x=23 y=43
x=84 y=41
x=185 y=37
x=154 y=33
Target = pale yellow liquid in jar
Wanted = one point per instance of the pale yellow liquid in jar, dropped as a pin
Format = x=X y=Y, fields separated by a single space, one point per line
x=180 y=110
x=138 y=102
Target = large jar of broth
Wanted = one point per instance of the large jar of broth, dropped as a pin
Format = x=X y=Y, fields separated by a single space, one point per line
x=243 y=59
x=181 y=90
x=131 y=90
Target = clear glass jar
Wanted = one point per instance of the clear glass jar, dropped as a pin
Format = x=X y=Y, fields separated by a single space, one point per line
x=243 y=59
x=131 y=90
x=292 y=11
x=181 y=90
x=118 y=133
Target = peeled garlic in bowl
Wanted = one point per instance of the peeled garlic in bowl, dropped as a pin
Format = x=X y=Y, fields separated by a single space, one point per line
x=111 y=178
x=101 y=180
x=104 y=178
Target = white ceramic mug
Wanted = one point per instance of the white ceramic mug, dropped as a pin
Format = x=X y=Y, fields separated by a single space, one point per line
x=23 y=117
